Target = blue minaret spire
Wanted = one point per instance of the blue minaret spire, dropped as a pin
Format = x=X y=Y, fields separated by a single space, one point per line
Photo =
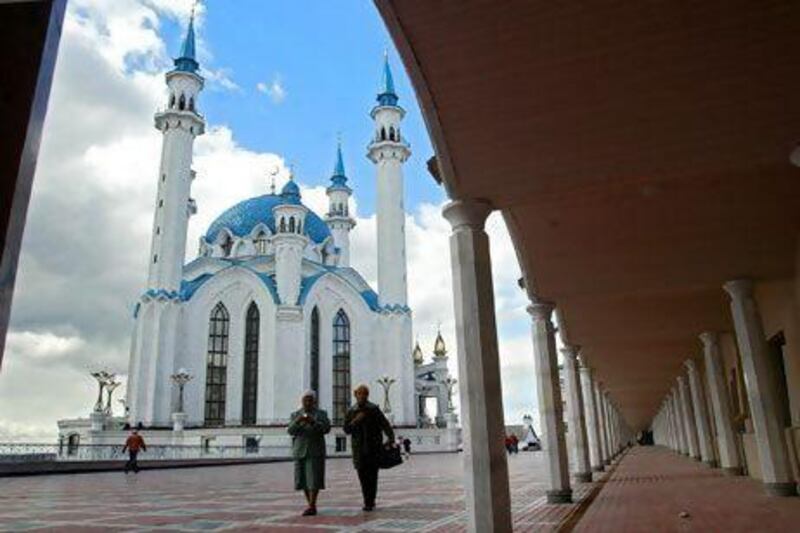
x=387 y=96
x=339 y=178
x=186 y=62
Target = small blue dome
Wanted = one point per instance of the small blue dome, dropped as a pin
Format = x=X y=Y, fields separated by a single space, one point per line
x=246 y=215
x=291 y=192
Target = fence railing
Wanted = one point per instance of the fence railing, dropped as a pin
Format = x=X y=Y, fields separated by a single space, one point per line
x=35 y=452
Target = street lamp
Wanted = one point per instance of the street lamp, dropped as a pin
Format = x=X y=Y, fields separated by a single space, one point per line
x=386 y=382
x=450 y=383
x=110 y=386
x=102 y=378
x=181 y=378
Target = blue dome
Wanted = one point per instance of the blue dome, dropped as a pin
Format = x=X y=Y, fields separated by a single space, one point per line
x=246 y=215
x=291 y=192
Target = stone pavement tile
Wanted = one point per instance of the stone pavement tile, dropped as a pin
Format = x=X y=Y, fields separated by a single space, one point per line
x=425 y=494
x=652 y=486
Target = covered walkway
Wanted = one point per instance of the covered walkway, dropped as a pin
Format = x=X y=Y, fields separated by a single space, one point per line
x=652 y=486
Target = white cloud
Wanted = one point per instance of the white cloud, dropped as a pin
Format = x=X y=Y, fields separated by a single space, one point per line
x=84 y=258
x=274 y=89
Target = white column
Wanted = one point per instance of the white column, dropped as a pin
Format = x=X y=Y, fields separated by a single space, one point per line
x=761 y=390
x=488 y=499
x=601 y=421
x=687 y=413
x=700 y=413
x=607 y=427
x=577 y=418
x=720 y=404
x=677 y=417
x=550 y=406
x=592 y=425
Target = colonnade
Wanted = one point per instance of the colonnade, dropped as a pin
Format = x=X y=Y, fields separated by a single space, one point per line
x=700 y=425
x=596 y=430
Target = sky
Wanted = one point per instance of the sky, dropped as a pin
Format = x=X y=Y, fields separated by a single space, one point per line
x=284 y=81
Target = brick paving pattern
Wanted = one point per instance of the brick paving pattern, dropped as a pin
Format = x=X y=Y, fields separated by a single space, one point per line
x=651 y=487
x=424 y=494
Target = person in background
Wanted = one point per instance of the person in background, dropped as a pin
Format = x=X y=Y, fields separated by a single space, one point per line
x=407 y=446
x=366 y=424
x=133 y=444
x=308 y=427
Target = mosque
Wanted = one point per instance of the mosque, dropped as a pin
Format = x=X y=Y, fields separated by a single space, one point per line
x=271 y=306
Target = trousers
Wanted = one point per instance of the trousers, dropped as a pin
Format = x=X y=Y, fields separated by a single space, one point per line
x=132 y=464
x=368 y=476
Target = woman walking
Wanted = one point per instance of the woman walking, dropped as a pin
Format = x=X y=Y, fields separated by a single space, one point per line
x=366 y=424
x=308 y=427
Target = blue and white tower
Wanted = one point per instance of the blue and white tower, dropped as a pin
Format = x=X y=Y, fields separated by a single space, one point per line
x=389 y=151
x=153 y=346
x=338 y=218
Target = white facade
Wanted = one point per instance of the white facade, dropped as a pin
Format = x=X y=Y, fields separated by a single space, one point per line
x=270 y=307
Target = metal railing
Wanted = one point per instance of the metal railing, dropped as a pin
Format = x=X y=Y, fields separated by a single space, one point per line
x=35 y=452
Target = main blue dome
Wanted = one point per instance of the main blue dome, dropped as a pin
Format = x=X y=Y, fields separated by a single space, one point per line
x=246 y=215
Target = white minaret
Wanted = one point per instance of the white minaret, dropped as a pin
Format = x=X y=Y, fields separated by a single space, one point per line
x=338 y=218
x=150 y=393
x=180 y=123
x=389 y=151
x=290 y=242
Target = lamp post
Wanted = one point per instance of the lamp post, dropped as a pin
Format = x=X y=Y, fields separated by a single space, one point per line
x=111 y=385
x=181 y=378
x=102 y=378
x=450 y=383
x=386 y=382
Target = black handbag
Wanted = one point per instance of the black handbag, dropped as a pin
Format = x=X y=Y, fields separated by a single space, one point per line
x=389 y=457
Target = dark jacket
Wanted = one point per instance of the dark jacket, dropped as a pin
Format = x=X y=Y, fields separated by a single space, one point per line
x=367 y=433
x=308 y=440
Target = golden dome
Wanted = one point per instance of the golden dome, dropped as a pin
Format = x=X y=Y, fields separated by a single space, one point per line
x=417 y=354
x=439 y=349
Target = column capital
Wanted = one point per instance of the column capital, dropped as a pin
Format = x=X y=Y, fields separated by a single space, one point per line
x=739 y=289
x=571 y=351
x=680 y=380
x=469 y=213
x=709 y=338
x=690 y=365
x=541 y=310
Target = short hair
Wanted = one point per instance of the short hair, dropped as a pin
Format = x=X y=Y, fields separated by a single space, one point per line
x=361 y=387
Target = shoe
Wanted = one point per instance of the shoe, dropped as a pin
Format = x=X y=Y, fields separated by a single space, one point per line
x=368 y=508
x=311 y=511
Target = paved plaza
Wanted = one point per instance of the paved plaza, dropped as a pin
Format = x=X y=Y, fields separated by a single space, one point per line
x=424 y=494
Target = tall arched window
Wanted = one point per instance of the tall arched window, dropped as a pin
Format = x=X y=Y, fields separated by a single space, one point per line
x=182 y=103
x=314 y=344
x=217 y=366
x=261 y=243
x=250 y=381
x=341 y=366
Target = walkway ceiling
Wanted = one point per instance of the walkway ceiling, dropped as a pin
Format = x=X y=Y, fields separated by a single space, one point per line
x=639 y=151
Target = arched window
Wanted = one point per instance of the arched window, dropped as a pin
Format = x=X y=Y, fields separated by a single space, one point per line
x=227 y=244
x=299 y=226
x=391 y=133
x=182 y=103
x=191 y=103
x=341 y=366
x=291 y=224
x=383 y=134
x=171 y=101
x=261 y=243
x=314 y=345
x=283 y=225
x=250 y=381
x=217 y=366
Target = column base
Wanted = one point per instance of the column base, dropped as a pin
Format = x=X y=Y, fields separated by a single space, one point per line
x=597 y=468
x=710 y=464
x=696 y=458
x=732 y=470
x=582 y=477
x=559 y=496
x=781 y=489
